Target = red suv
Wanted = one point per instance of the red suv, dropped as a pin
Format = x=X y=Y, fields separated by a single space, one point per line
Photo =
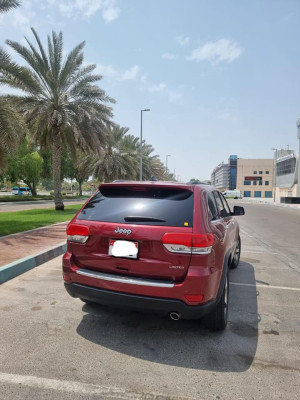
x=155 y=246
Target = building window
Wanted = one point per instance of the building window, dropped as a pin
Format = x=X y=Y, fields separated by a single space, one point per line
x=267 y=183
x=267 y=172
x=247 y=193
x=260 y=172
x=286 y=166
x=260 y=183
x=254 y=182
x=257 y=193
x=255 y=172
x=268 y=194
x=247 y=182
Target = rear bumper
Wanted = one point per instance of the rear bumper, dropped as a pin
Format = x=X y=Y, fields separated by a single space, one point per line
x=136 y=302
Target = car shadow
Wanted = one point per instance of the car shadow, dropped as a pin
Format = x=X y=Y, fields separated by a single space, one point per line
x=182 y=343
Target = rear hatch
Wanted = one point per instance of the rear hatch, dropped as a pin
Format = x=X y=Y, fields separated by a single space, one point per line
x=130 y=228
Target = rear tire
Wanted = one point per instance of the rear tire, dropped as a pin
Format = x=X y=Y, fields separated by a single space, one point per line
x=237 y=254
x=217 y=319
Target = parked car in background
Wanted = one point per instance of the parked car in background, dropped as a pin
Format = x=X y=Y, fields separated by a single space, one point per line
x=21 y=191
x=155 y=246
x=233 y=194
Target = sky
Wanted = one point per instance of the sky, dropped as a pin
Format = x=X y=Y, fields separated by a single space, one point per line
x=220 y=77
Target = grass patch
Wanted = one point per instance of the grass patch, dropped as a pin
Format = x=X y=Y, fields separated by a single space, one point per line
x=20 y=221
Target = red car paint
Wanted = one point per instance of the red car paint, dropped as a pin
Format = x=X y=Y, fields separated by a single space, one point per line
x=189 y=275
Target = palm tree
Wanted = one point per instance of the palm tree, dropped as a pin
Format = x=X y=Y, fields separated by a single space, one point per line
x=117 y=158
x=152 y=166
x=120 y=158
x=61 y=102
x=11 y=125
x=12 y=129
x=6 y=5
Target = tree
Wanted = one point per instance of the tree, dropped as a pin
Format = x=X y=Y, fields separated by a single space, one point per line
x=12 y=130
x=6 y=5
x=73 y=168
x=152 y=166
x=194 y=180
x=11 y=124
x=25 y=165
x=118 y=158
x=61 y=103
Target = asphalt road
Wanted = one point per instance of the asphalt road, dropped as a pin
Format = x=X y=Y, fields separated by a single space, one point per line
x=55 y=347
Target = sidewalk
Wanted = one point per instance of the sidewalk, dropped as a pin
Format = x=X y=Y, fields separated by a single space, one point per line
x=26 y=250
x=261 y=200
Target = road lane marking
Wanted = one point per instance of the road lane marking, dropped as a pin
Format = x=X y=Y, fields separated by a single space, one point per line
x=265 y=286
x=106 y=392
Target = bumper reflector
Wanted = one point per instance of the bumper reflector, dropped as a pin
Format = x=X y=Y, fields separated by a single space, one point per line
x=194 y=298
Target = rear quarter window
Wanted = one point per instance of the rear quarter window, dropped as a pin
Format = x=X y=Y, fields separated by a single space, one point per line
x=141 y=205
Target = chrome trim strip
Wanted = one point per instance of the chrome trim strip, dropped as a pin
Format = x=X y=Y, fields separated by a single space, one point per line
x=123 y=279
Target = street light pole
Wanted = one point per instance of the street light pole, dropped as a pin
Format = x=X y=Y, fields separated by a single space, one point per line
x=274 y=173
x=168 y=155
x=298 y=136
x=141 y=145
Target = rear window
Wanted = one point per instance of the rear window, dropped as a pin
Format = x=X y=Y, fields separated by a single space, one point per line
x=141 y=205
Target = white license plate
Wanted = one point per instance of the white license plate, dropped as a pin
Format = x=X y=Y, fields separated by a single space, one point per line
x=123 y=248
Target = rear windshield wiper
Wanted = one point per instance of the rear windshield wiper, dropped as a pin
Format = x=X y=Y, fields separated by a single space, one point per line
x=142 y=219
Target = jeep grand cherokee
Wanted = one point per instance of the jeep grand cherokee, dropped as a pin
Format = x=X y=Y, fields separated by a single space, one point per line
x=155 y=246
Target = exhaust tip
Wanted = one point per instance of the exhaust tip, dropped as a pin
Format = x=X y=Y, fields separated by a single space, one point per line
x=175 y=316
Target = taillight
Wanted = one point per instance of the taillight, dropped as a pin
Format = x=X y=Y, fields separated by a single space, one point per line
x=77 y=233
x=188 y=243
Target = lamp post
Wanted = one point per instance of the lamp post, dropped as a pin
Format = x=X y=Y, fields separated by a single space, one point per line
x=168 y=155
x=141 y=145
x=274 y=173
x=298 y=136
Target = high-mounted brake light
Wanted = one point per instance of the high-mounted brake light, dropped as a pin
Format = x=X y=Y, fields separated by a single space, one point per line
x=77 y=233
x=188 y=243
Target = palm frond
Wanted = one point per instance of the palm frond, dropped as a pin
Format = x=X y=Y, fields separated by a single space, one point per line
x=6 y=5
x=12 y=129
x=43 y=53
x=71 y=65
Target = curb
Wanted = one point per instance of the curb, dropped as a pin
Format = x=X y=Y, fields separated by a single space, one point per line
x=10 y=271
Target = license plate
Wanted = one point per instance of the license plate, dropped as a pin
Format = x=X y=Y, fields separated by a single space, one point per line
x=123 y=248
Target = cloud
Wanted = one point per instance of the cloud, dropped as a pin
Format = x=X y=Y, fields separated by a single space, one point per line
x=157 y=88
x=109 y=71
x=183 y=40
x=131 y=74
x=110 y=14
x=223 y=50
x=162 y=89
x=20 y=19
x=86 y=8
x=168 y=56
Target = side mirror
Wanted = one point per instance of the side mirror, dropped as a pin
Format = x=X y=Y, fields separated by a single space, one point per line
x=237 y=210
